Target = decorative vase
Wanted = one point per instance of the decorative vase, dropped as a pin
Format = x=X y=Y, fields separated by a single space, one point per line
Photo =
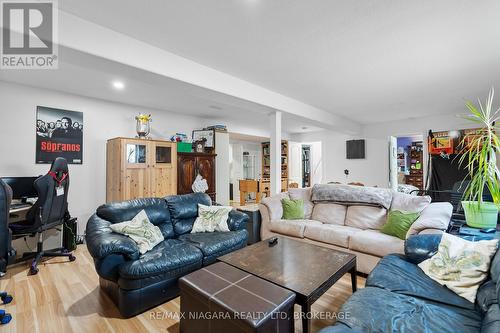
x=484 y=216
x=143 y=126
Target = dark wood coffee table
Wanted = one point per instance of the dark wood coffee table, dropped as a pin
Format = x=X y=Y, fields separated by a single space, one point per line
x=306 y=269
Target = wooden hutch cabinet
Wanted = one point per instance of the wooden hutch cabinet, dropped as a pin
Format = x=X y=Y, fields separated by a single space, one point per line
x=188 y=167
x=138 y=168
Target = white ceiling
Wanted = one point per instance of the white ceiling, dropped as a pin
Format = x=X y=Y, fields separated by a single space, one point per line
x=86 y=75
x=369 y=60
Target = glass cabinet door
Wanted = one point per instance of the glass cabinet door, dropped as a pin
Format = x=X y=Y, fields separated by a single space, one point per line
x=163 y=155
x=136 y=153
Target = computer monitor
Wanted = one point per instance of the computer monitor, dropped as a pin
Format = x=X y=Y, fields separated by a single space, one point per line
x=22 y=187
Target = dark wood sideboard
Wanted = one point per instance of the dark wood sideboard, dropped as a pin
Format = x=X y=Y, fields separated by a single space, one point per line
x=188 y=167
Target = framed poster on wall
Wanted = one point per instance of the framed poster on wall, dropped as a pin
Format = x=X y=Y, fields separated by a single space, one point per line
x=59 y=133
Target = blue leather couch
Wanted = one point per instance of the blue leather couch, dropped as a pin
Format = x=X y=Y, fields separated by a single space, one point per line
x=137 y=283
x=399 y=297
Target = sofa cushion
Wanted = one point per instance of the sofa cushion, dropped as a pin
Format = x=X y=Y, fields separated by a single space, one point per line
x=155 y=208
x=365 y=217
x=304 y=194
x=330 y=233
x=435 y=216
x=396 y=274
x=379 y=310
x=409 y=203
x=293 y=209
x=376 y=243
x=171 y=257
x=273 y=205
x=461 y=265
x=141 y=230
x=184 y=210
x=398 y=223
x=216 y=244
x=293 y=228
x=330 y=213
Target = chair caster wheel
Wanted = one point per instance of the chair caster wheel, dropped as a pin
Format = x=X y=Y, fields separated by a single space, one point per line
x=6 y=298
x=33 y=270
x=5 y=318
x=72 y=258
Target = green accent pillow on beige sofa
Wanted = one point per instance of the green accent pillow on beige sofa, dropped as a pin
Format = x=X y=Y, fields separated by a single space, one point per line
x=398 y=223
x=293 y=209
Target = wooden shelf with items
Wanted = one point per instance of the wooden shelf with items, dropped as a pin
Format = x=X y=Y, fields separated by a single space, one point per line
x=266 y=167
x=416 y=176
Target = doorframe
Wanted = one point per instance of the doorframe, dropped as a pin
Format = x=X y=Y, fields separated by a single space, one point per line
x=425 y=156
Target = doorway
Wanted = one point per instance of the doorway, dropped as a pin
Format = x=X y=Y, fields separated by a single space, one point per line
x=407 y=168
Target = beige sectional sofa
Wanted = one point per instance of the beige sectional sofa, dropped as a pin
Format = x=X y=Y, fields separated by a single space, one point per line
x=351 y=227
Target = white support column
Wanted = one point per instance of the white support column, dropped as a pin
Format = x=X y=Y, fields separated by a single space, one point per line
x=275 y=153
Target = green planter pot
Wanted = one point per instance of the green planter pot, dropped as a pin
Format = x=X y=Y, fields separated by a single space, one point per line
x=484 y=216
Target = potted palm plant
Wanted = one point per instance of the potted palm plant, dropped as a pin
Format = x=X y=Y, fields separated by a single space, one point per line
x=480 y=159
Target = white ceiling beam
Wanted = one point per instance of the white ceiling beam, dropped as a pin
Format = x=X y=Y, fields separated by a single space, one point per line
x=85 y=36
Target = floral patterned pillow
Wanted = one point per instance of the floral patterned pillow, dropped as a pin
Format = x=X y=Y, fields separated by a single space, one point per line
x=141 y=230
x=460 y=265
x=211 y=218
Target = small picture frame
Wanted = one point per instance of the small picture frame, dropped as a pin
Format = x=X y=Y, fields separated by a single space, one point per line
x=209 y=135
x=199 y=146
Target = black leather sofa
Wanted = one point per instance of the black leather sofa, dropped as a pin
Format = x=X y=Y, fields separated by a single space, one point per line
x=399 y=297
x=137 y=283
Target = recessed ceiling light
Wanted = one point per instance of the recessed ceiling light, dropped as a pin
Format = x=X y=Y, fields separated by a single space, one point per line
x=118 y=85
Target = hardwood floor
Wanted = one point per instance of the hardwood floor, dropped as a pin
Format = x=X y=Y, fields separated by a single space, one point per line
x=65 y=297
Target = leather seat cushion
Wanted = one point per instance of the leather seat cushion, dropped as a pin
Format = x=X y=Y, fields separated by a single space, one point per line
x=156 y=209
x=172 y=257
x=216 y=244
x=330 y=233
x=379 y=310
x=293 y=228
x=376 y=243
x=396 y=274
x=184 y=210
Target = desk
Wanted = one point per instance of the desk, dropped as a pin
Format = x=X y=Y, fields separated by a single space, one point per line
x=18 y=214
x=249 y=186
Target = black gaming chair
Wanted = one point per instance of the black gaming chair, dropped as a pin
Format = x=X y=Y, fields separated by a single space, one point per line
x=48 y=212
x=7 y=254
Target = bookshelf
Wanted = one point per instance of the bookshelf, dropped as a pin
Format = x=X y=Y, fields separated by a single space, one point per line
x=266 y=167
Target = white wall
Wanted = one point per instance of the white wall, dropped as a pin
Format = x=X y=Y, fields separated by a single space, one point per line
x=334 y=162
x=102 y=121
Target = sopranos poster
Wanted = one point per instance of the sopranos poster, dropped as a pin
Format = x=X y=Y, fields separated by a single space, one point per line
x=59 y=133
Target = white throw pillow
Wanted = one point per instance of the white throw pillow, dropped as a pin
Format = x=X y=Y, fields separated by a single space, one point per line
x=141 y=230
x=409 y=203
x=460 y=265
x=211 y=218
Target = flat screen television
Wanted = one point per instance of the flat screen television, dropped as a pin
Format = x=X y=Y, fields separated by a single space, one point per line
x=355 y=149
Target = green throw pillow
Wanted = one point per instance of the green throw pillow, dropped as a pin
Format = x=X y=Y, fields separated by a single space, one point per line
x=293 y=209
x=398 y=223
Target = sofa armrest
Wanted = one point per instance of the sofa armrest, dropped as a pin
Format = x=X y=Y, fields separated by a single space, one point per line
x=270 y=210
x=421 y=247
x=237 y=220
x=435 y=216
x=102 y=241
